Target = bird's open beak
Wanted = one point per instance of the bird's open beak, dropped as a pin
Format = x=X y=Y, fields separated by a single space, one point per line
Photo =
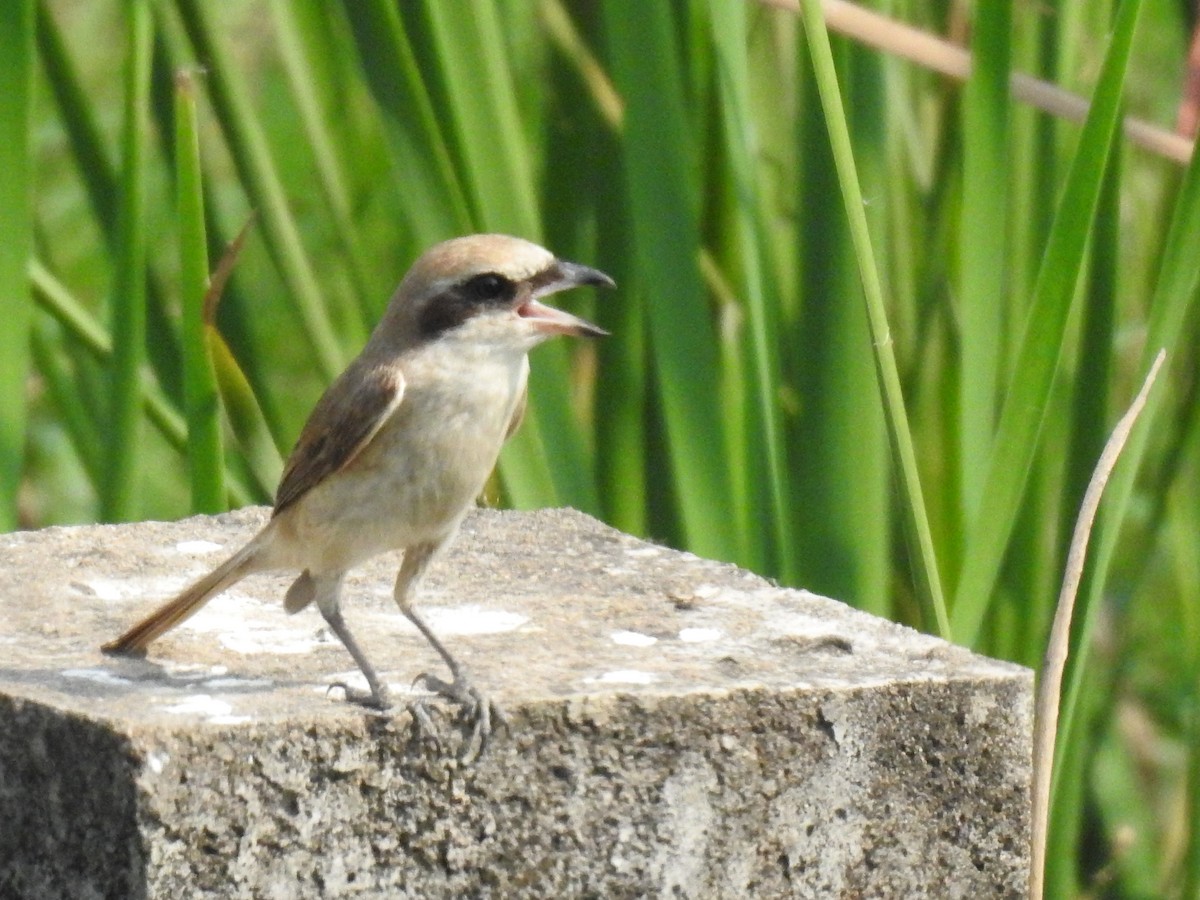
x=562 y=276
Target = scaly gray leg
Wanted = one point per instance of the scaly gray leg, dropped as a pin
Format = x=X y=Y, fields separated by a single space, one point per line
x=328 y=597
x=480 y=711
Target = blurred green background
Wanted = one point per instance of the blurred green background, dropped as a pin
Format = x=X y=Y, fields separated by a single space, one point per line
x=1029 y=268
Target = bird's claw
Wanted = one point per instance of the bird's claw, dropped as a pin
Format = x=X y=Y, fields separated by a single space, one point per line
x=423 y=725
x=482 y=714
x=377 y=698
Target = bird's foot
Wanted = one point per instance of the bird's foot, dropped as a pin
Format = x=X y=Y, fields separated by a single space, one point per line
x=376 y=698
x=483 y=716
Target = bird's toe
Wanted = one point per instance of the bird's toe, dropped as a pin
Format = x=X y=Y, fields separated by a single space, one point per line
x=479 y=714
x=376 y=699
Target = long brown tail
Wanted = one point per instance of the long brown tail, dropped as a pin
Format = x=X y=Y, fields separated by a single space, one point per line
x=135 y=641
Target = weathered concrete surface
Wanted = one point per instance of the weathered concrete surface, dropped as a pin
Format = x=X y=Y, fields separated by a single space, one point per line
x=678 y=728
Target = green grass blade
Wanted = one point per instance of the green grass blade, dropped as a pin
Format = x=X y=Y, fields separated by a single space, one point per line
x=1090 y=403
x=206 y=465
x=744 y=451
x=16 y=224
x=983 y=241
x=245 y=416
x=481 y=112
x=53 y=296
x=118 y=499
x=621 y=463
x=587 y=220
x=78 y=118
x=56 y=301
x=913 y=510
x=435 y=207
x=730 y=34
x=260 y=177
x=844 y=498
x=93 y=161
x=1028 y=391
x=664 y=208
x=1173 y=300
x=1184 y=526
x=308 y=54
x=78 y=419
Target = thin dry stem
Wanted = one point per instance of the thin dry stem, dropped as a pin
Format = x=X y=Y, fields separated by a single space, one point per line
x=1050 y=681
x=939 y=55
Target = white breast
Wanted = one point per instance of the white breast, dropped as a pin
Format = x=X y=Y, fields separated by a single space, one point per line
x=427 y=465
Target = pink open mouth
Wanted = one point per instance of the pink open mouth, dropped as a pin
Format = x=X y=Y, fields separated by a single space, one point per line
x=555 y=321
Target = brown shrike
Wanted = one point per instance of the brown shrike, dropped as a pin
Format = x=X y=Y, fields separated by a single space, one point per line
x=400 y=446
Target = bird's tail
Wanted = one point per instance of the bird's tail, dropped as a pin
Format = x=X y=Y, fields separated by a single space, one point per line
x=135 y=641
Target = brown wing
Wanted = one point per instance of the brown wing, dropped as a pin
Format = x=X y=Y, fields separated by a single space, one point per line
x=344 y=421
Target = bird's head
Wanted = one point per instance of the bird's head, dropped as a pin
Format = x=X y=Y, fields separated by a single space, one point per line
x=488 y=288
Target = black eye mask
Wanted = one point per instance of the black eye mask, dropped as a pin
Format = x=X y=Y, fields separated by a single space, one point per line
x=464 y=300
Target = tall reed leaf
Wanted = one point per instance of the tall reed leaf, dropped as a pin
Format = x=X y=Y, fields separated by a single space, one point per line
x=733 y=77
x=262 y=460
x=246 y=418
x=844 y=497
x=913 y=510
x=660 y=178
x=16 y=224
x=100 y=176
x=78 y=117
x=1186 y=525
x=308 y=52
x=78 y=419
x=1028 y=389
x=436 y=204
x=1173 y=300
x=117 y=494
x=205 y=461
x=982 y=276
x=86 y=334
x=261 y=179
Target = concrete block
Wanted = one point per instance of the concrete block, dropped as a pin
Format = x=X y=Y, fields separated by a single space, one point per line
x=678 y=728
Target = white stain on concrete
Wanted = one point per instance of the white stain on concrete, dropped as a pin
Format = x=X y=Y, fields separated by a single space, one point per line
x=156 y=762
x=472 y=620
x=624 y=676
x=212 y=709
x=192 y=671
x=250 y=640
x=233 y=683
x=98 y=676
x=248 y=625
x=643 y=551
x=355 y=681
x=197 y=547
x=201 y=705
x=132 y=588
x=633 y=639
x=699 y=635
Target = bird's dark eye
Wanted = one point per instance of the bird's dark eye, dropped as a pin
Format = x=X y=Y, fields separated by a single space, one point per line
x=489 y=288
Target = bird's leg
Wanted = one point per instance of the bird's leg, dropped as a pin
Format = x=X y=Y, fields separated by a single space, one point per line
x=329 y=591
x=480 y=711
